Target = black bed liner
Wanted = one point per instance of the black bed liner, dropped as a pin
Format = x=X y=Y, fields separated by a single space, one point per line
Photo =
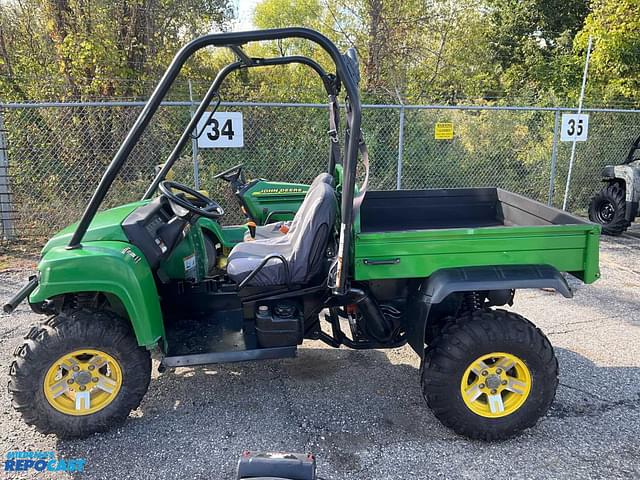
x=395 y=210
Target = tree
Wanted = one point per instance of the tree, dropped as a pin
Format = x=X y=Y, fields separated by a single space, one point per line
x=531 y=45
x=85 y=48
x=615 y=63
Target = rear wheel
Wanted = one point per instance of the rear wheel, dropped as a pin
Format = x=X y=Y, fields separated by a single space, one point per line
x=79 y=373
x=608 y=207
x=489 y=375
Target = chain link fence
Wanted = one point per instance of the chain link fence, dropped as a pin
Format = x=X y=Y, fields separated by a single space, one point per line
x=53 y=155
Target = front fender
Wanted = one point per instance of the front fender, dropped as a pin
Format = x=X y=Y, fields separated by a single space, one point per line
x=114 y=268
x=629 y=175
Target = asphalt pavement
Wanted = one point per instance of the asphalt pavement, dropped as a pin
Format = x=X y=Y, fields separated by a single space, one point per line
x=362 y=412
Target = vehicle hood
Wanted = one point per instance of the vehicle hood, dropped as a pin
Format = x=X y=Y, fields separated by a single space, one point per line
x=106 y=225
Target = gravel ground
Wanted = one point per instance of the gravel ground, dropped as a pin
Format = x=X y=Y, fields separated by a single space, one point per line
x=362 y=412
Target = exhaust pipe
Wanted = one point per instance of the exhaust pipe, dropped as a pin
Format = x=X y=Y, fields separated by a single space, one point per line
x=24 y=292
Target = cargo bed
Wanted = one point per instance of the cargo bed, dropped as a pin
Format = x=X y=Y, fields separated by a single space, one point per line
x=413 y=233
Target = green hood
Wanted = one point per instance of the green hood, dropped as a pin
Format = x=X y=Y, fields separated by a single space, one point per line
x=106 y=225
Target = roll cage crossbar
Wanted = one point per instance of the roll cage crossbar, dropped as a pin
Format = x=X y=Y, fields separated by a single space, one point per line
x=346 y=75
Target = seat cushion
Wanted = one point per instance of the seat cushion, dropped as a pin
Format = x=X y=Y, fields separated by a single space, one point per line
x=303 y=247
x=271 y=230
x=245 y=258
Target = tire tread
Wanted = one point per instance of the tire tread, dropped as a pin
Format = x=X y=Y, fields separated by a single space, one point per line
x=64 y=332
x=447 y=352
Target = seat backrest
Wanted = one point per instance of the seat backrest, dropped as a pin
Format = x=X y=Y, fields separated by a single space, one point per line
x=322 y=179
x=314 y=223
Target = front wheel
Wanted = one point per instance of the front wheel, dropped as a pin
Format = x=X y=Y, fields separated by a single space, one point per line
x=489 y=375
x=79 y=373
x=607 y=208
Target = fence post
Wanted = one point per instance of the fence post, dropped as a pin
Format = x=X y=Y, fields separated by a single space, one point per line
x=6 y=207
x=194 y=145
x=554 y=158
x=400 y=147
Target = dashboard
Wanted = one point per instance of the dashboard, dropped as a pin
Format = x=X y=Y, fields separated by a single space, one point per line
x=155 y=230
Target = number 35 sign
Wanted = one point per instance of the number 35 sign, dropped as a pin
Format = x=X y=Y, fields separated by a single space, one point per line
x=574 y=126
x=222 y=130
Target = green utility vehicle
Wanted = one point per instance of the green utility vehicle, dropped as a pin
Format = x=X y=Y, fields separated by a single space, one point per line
x=359 y=269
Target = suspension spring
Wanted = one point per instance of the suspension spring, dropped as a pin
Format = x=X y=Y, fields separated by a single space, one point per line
x=472 y=301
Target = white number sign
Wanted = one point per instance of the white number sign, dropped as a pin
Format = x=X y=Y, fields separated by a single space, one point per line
x=223 y=130
x=574 y=126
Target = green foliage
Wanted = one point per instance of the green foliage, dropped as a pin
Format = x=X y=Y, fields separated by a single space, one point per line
x=60 y=49
x=615 y=63
x=513 y=51
x=434 y=51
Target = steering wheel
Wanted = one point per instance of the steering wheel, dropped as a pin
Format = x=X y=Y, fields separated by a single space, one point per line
x=232 y=174
x=211 y=209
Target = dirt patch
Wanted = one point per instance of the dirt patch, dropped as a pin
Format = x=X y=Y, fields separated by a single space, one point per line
x=19 y=255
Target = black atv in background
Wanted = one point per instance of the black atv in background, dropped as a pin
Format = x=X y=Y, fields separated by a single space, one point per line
x=616 y=205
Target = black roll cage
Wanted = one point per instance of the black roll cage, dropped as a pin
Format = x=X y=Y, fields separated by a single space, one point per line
x=346 y=74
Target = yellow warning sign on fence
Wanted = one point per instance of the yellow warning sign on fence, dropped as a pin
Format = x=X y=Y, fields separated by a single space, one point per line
x=444 y=131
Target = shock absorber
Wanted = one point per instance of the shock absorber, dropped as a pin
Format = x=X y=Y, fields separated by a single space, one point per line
x=84 y=300
x=472 y=301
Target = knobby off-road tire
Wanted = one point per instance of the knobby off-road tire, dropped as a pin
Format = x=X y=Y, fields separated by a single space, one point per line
x=607 y=208
x=450 y=359
x=62 y=335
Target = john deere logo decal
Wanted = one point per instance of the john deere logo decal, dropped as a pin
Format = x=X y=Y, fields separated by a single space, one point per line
x=279 y=191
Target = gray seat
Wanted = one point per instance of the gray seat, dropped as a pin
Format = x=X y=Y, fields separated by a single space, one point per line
x=273 y=230
x=303 y=248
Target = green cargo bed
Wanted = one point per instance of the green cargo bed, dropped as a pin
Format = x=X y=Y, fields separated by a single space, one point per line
x=413 y=233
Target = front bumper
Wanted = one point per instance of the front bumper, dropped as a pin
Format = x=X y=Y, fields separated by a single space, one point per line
x=24 y=292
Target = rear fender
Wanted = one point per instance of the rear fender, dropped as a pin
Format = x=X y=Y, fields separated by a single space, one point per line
x=263 y=197
x=113 y=268
x=442 y=283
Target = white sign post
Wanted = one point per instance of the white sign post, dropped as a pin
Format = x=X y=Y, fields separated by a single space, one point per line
x=222 y=130
x=573 y=145
x=575 y=127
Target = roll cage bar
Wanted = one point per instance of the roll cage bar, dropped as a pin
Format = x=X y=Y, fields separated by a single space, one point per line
x=631 y=156
x=346 y=74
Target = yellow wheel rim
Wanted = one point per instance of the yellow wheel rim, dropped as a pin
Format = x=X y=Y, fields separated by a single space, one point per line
x=495 y=385
x=82 y=382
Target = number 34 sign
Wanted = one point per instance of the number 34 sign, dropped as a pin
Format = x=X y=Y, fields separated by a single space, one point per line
x=574 y=127
x=222 y=130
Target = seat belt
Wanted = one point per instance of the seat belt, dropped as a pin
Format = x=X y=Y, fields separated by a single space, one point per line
x=335 y=270
x=364 y=154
